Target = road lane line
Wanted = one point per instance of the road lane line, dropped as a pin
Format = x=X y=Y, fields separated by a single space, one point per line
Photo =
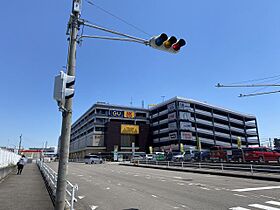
x=273 y=203
x=241 y=195
x=154 y=196
x=268 y=197
x=256 y=188
x=204 y=188
x=238 y=208
x=259 y=206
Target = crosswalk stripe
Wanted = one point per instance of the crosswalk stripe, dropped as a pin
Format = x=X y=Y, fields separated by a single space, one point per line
x=238 y=208
x=273 y=203
x=259 y=206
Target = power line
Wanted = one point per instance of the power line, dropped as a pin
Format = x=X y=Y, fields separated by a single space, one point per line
x=253 y=80
x=115 y=16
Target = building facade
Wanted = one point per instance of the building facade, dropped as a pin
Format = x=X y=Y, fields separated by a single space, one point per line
x=179 y=120
x=106 y=128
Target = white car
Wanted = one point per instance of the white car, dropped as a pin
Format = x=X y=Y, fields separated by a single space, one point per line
x=93 y=159
x=150 y=157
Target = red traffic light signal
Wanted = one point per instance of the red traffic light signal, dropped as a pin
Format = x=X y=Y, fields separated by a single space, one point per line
x=162 y=42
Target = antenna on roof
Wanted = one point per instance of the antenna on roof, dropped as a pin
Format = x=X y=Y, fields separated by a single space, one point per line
x=143 y=105
x=131 y=101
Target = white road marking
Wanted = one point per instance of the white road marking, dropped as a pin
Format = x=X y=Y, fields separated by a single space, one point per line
x=81 y=197
x=154 y=196
x=119 y=184
x=190 y=183
x=80 y=175
x=180 y=183
x=241 y=195
x=217 y=189
x=177 y=177
x=204 y=188
x=267 y=197
x=136 y=175
x=263 y=207
x=238 y=208
x=93 y=207
x=108 y=188
x=273 y=203
x=175 y=207
x=133 y=189
x=256 y=188
x=163 y=180
x=183 y=206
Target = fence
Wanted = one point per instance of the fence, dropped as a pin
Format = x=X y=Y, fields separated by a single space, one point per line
x=252 y=168
x=50 y=177
x=8 y=158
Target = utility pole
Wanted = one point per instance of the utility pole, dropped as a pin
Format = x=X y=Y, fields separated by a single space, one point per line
x=19 y=145
x=67 y=113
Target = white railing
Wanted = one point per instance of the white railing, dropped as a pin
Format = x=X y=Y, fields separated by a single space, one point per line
x=8 y=158
x=51 y=179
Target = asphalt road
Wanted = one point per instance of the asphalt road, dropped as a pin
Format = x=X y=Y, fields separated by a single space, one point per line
x=113 y=187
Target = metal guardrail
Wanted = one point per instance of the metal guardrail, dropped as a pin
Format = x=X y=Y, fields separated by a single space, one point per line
x=252 y=168
x=50 y=177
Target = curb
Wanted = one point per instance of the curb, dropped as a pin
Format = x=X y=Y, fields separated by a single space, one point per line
x=248 y=176
x=4 y=172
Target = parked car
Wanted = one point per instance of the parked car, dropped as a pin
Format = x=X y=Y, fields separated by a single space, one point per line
x=261 y=154
x=203 y=155
x=220 y=153
x=150 y=157
x=137 y=157
x=93 y=159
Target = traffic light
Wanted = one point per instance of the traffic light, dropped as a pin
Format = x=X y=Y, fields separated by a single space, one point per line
x=171 y=44
x=62 y=89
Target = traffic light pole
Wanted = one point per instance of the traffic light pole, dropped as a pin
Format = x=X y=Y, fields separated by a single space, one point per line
x=67 y=113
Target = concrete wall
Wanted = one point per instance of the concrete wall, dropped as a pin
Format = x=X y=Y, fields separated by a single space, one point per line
x=6 y=171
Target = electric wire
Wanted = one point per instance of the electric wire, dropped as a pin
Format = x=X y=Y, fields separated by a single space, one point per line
x=115 y=16
x=253 y=80
x=263 y=88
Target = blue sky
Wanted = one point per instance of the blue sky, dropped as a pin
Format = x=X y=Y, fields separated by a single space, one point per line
x=228 y=41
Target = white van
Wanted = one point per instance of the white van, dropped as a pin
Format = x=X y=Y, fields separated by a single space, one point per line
x=93 y=159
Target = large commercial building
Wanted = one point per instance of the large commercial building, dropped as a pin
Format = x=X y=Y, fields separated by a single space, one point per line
x=106 y=128
x=187 y=121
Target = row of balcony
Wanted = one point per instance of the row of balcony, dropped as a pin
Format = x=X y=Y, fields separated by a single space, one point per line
x=209 y=114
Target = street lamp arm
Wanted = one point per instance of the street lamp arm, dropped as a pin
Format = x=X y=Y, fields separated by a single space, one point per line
x=261 y=93
x=112 y=32
x=145 y=42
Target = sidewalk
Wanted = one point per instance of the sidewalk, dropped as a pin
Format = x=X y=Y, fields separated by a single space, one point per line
x=25 y=191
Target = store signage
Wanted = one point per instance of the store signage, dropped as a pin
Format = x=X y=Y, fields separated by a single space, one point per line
x=129 y=129
x=129 y=114
x=116 y=113
x=186 y=135
x=184 y=106
x=172 y=116
x=171 y=107
x=173 y=136
x=185 y=115
x=186 y=125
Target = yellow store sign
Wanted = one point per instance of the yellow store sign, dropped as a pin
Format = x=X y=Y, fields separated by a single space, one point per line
x=129 y=129
x=129 y=114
